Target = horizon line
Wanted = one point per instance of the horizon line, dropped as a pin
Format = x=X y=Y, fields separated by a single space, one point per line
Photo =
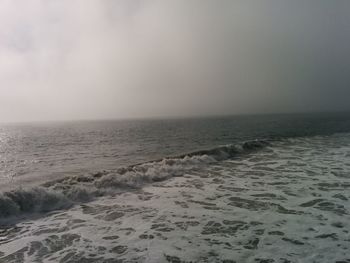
x=175 y=117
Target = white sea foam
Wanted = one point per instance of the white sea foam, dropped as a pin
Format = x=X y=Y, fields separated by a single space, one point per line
x=286 y=203
x=69 y=190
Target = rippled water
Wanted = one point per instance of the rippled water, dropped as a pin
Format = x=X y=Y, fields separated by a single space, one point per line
x=41 y=151
x=281 y=199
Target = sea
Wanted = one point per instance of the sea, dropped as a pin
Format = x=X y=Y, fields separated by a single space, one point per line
x=250 y=188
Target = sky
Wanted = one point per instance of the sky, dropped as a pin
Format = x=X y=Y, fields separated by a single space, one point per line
x=103 y=59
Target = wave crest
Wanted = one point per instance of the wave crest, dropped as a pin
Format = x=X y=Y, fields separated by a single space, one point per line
x=62 y=193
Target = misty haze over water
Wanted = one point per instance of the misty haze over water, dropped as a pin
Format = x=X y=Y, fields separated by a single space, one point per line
x=124 y=59
x=174 y=131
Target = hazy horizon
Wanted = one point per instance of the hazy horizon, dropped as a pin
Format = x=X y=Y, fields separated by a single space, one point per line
x=90 y=60
x=174 y=131
x=177 y=117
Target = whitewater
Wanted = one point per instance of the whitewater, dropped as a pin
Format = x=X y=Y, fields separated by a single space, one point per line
x=277 y=199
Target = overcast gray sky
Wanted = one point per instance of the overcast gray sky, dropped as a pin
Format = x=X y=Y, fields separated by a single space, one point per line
x=90 y=59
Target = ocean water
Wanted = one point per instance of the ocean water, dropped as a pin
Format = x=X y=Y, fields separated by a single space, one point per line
x=233 y=189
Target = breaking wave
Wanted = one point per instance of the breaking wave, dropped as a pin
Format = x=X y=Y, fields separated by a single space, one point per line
x=63 y=193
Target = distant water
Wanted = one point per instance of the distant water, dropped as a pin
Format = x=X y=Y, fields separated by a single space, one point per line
x=236 y=189
x=36 y=152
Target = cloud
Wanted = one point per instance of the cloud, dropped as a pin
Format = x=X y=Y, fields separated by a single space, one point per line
x=117 y=59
